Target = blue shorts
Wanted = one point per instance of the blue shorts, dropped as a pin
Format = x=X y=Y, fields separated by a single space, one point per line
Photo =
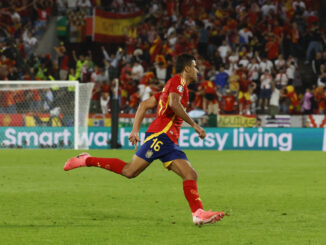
x=160 y=147
x=265 y=93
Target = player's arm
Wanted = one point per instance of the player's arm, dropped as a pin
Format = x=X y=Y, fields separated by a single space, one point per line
x=176 y=106
x=140 y=114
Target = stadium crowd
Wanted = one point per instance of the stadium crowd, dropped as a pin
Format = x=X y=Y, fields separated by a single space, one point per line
x=248 y=53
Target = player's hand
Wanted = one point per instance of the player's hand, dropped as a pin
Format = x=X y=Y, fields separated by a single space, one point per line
x=201 y=132
x=134 y=139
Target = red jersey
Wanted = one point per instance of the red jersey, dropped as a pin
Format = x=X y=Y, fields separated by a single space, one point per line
x=272 y=49
x=244 y=85
x=166 y=121
x=228 y=102
x=209 y=87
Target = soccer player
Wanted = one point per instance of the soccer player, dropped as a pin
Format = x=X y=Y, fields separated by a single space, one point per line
x=161 y=140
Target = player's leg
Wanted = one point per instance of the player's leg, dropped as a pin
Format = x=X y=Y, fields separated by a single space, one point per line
x=184 y=169
x=189 y=175
x=140 y=161
x=135 y=167
x=131 y=170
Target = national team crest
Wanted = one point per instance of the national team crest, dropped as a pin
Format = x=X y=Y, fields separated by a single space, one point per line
x=180 y=88
x=149 y=154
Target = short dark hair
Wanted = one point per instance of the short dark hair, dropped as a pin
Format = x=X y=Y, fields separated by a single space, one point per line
x=183 y=60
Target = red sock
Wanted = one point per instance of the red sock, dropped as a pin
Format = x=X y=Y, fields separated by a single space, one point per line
x=191 y=192
x=111 y=164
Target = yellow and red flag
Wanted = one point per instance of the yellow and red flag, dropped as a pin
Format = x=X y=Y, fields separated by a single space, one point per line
x=113 y=27
x=156 y=47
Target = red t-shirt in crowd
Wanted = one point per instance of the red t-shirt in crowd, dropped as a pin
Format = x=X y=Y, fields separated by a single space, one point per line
x=209 y=87
x=228 y=102
x=133 y=100
x=272 y=48
x=244 y=85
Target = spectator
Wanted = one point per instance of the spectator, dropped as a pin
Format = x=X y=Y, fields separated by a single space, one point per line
x=316 y=63
x=266 y=64
x=86 y=73
x=268 y=8
x=265 y=90
x=233 y=59
x=145 y=86
x=8 y=102
x=133 y=102
x=80 y=62
x=320 y=98
x=145 y=91
x=244 y=61
x=125 y=76
x=253 y=70
x=203 y=41
x=234 y=83
x=228 y=103
x=137 y=71
x=253 y=100
x=43 y=9
x=246 y=34
x=290 y=72
x=306 y=107
x=15 y=19
x=95 y=106
x=321 y=81
x=104 y=102
x=315 y=44
x=63 y=59
x=274 y=102
x=161 y=69
x=35 y=97
x=95 y=73
x=294 y=40
x=244 y=95
x=208 y=90
x=281 y=79
x=272 y=47
x=30 y=42
x=48 y=99
x=102 y=76
x=224 y=50
x=291 y=94
x=114 y=59
x=216 y=59
x=298 y=5
x=221 y=80
x=279 y=62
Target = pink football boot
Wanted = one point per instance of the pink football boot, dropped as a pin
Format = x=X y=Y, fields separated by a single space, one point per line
x=76 y=162
x=201 y=217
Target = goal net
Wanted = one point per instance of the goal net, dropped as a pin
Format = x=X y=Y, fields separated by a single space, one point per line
x=44 y=114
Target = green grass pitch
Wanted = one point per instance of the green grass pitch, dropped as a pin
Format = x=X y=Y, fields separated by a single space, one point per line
x=270 y=197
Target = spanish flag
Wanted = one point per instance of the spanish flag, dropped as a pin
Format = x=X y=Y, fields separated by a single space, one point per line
x=167 y=50
x=156 y=47
x=114 y=27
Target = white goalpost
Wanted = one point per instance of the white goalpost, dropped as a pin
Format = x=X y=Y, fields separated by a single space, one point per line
x=44 y=114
